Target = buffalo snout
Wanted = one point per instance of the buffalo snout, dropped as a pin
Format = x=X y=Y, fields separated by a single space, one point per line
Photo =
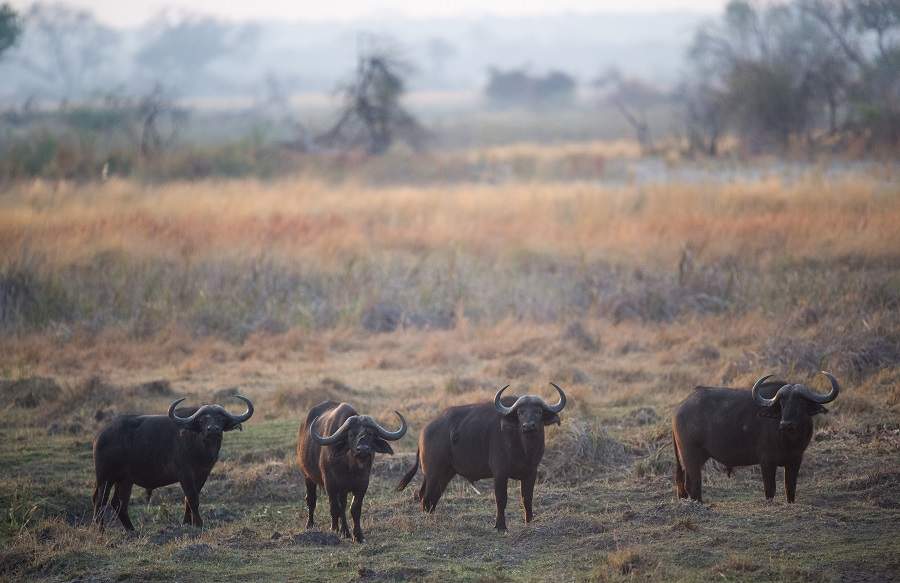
x=529 y=426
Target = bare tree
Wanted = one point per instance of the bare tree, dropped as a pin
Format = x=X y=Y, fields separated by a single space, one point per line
x=371 y=115
x=633 y=98
x=160 y=120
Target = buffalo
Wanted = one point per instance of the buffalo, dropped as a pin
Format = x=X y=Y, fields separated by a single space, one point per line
x=341 y=461
x=502 y=439
x=770 y=425
x=152 y=451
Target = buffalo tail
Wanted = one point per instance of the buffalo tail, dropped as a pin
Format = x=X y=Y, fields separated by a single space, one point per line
x=407 y=478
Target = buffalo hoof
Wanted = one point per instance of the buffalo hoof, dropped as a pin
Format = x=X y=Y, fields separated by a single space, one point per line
x=358 y=537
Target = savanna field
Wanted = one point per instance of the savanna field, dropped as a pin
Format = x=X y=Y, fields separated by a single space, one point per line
x=121 y=296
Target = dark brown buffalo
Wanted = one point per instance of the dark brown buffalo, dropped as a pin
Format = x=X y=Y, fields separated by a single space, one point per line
x=152 y=451
x=341 y=462
x=770 y=425
x=502 y=439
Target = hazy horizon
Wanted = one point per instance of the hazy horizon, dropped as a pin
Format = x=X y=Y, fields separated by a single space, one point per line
x=135 y=13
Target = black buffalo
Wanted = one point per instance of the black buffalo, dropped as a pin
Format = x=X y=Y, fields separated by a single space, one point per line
x=502 y=439
x=152 y=451
x=770 y=425
x=341 y=462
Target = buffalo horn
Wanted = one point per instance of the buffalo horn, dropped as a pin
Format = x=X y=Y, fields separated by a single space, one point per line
x=391 y=435
x=246 y=415
x=806 y=393
x=181 y=421
x=503 y=409
x=335 y=436
x=562 y=401
x=762 y=401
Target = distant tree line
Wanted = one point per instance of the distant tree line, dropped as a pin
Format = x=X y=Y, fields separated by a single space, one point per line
x=518 y=87
x=796 y=71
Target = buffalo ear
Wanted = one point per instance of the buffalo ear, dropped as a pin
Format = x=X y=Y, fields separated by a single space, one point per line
x=773 y=412
x=382 y=446
x=551 y=418
x=815 y=409
x=229 y=426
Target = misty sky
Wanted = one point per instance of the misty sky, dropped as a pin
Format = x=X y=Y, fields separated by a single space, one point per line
x=132 y=12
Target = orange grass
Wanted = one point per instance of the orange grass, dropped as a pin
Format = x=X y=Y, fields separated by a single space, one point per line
x=311 y=221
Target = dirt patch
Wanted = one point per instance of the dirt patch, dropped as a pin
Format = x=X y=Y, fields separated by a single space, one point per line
x=194 y=552
x=398 y=574
x=170 y=533
x=316 y=538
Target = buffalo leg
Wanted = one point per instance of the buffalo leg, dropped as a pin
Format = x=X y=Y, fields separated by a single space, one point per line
x=356 y=513
x=680 y=489
x=342 y=501
x=310 y=502
x=120 y=499
x=435 y=489
x=790 y=480
x=768 y=476
x=500 y=487
x=528 y=496
x=335 y=511
x=420 y=495
x=338 y=502
x=693 y=478
x=187 y=512
x=101 y=498
x=191 y=503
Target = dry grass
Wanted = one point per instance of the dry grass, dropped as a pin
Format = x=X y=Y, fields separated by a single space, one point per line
x=767 y=219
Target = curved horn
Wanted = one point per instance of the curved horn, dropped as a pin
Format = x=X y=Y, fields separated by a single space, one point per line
x=804 y=391
x=334 y=437
x=246 y=414
x=562 y=401
x=762 y=401
x=181 y=421
x=500 y=407
x=392 y=435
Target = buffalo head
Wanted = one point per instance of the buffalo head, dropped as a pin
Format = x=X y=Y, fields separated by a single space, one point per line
x=211 y=420
x=530 y=413
x=361 y=435
x=794 y=403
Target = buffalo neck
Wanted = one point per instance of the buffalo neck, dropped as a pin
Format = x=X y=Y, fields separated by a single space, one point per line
x=533 y=445
x=355 y=463
x=203 y=448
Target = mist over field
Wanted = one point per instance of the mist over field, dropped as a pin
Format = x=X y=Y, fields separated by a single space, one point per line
x=450 y=54
x=409 y=213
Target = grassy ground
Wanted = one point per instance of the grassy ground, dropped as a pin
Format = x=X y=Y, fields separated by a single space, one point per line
x=626 y=296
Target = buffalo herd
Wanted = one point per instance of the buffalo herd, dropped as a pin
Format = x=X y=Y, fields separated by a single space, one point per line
x=769 y=425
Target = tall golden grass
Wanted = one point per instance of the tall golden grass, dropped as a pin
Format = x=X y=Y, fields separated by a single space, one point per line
x=764 y=219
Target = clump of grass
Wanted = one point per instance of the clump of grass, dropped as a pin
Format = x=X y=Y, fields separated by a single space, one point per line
x=622 y=564
x=581 y=448
x=735 y=563
x=457 y=385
